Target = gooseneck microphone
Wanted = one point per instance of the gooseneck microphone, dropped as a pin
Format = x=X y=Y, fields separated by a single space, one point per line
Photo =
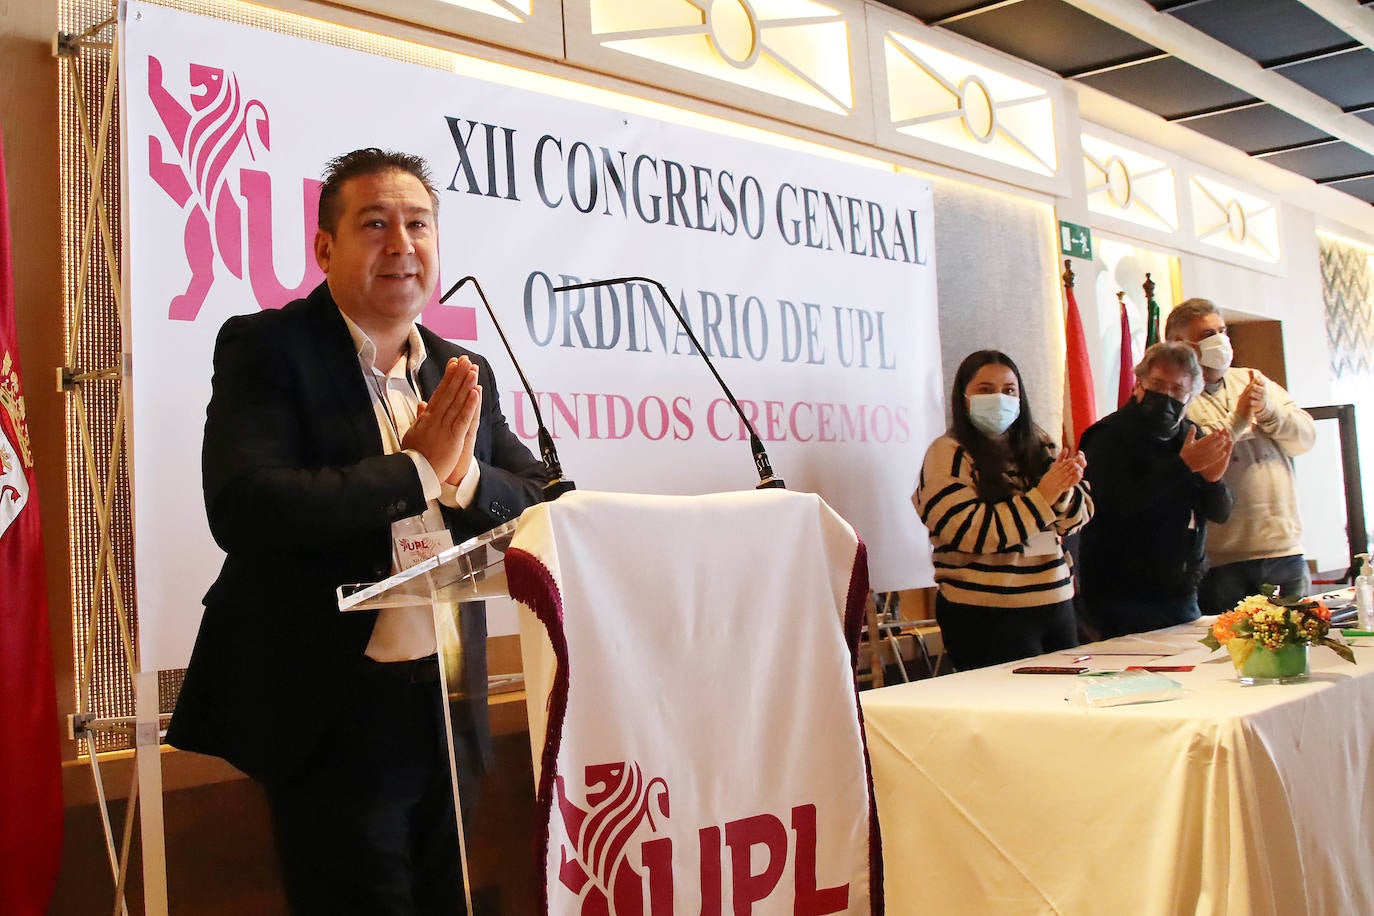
x=559 y=484
x=767 y=481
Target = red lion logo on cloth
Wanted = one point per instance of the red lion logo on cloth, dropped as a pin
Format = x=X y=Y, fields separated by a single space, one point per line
x=619 y=803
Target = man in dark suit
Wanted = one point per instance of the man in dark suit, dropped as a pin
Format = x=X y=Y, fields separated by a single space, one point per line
x=1156 y=483
x=337 y=427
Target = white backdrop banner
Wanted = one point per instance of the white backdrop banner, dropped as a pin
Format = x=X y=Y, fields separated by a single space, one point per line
x=809 y=281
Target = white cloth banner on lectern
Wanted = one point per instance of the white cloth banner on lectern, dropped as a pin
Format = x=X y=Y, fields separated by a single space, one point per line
x=689 y=666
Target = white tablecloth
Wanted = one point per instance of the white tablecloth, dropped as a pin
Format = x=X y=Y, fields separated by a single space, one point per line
x=996 y=795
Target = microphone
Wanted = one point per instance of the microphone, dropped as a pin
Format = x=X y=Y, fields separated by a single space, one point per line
x=559 y=484
x=767 y=481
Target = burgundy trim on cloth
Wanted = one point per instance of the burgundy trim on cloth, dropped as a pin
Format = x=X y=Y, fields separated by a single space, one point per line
x=530 y=583
x=855 y=603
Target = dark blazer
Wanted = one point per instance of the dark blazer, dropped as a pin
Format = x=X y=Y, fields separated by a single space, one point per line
x=301 y=497
x=1148 y=534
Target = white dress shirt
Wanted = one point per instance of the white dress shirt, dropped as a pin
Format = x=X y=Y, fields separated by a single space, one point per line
x=401 y=634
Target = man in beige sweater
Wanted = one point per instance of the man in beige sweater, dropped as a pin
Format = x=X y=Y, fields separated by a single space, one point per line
x=1261 y=543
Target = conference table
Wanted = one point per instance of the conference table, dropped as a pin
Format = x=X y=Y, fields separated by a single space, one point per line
x=998 y=793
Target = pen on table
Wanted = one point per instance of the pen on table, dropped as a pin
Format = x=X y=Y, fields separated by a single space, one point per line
x=1081 y=658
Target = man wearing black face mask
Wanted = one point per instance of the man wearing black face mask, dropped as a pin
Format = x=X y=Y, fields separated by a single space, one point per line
x=1156 y=483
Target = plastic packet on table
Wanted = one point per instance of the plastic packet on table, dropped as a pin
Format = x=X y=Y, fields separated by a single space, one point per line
x=1120 y=688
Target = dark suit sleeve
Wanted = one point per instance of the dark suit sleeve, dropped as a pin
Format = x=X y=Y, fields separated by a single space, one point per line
x=1114 y=474
x=511 y=479
x=272 y=478
x=1216 y=502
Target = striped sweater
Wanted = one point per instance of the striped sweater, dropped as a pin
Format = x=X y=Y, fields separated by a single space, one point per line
x=981 y=547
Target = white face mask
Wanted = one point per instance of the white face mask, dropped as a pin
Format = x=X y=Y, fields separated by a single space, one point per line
x=992 y=414
x=1216 y=352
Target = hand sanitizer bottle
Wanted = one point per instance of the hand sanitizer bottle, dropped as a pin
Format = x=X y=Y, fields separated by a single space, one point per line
x=1364 y=593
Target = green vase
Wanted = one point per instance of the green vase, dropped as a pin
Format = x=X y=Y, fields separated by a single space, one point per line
x=1287 y=665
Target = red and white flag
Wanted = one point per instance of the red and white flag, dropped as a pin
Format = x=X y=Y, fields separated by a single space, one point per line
x=30 y=753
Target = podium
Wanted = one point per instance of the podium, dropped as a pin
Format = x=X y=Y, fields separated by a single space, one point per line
x=453 y=584
x=690 y=687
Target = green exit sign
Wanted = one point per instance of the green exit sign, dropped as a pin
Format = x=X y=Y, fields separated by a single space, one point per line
x=1075 y=241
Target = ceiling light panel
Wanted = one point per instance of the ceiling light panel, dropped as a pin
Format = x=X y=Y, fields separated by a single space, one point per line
x=794 y=59
x=1127 y=184
x=529 y=25
x=1234 y=221
x=936 y=94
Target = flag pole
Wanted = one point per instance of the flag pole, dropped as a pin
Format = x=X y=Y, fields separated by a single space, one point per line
x=1151 y=313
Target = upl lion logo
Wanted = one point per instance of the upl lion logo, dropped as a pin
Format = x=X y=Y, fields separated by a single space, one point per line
x=737 y=864
x=204 y=146
x=599 y=869
x=216 y=130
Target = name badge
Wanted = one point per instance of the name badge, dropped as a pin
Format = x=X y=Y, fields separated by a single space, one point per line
x=1042 y=544
x=416 y=548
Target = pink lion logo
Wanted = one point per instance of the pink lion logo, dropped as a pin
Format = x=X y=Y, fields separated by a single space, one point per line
x=599 y=870
x=205 y=139
x=228 y=221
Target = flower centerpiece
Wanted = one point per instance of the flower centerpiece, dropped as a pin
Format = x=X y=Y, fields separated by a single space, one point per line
x=1267 y=636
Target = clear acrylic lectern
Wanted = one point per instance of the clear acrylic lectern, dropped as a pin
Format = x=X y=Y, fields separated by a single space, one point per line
x=453 y=584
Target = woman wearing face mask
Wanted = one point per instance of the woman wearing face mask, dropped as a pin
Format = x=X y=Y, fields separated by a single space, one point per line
x=997 y=503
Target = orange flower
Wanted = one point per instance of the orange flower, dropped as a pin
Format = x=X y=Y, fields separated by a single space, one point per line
x=1224 y=627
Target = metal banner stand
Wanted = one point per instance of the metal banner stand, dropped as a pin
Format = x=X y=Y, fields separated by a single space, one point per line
x=96 y=447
